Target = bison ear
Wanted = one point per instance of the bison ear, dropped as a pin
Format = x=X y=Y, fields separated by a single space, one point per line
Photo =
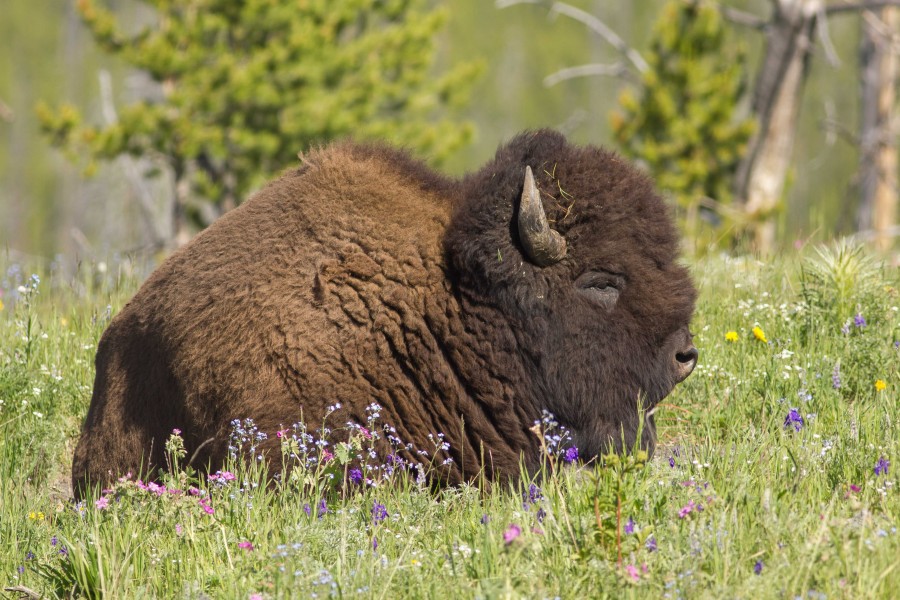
x=542 y=245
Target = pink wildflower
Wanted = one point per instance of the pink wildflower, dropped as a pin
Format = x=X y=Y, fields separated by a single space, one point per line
x=176 y=431
x=687 y=509
x=245 y=546
x=102 y=503
x=511 y=533
x=327 y=456
x=632 y=573
x=178 y=529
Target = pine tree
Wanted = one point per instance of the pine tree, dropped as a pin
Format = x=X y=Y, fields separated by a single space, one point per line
x=682 y=124
x=246 y=84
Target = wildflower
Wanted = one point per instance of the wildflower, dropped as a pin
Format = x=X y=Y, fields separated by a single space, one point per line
x=485 y=519
x=687 y=509
x=1 y=304
x=379 y=512
x=204 y=504
x=356 y=476
x=731 y=336
x=21 y=569
x=178 y=529
x=571 y=455
x=176 y=431
x=323 y=506
x=256 y=597
x=374 y=543
x=245 y=546
x=880 y=385
x=651 y=545
x=759 y=334
x=102 y=503
x=836 y=376
x=540 y=515
x=307 y=509
x=53 y=541
x=36 y=516
x=29 y=555
x=854 y=488
x=859 y=320
x=794 y=419
x=758 y=567
x=511 y=533
x=881 y=467
x=632 y=572
x=672 y=461
x=629 y=526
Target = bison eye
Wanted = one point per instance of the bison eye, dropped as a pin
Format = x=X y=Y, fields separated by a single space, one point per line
x=600 y=288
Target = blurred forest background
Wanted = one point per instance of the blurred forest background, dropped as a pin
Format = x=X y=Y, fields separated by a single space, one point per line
x=681 y=91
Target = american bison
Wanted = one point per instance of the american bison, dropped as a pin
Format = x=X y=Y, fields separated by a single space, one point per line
x=546 y=281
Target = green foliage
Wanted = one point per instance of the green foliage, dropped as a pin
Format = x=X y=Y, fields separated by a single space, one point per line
x=682 y=124
x=244 y=86
x=729 y=487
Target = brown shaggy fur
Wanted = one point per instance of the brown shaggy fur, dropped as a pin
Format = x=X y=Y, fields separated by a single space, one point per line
x=364 y=277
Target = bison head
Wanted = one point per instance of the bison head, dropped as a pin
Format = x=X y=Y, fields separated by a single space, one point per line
x=576 y=255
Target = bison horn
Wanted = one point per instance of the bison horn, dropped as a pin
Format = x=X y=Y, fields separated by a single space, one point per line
x=543 y=245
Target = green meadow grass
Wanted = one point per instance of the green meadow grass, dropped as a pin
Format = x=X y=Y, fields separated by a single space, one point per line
x=741 y=499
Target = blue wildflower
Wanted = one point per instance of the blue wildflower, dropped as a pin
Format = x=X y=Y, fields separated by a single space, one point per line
x=794 y=419
x=356 y=476
x=379 y=512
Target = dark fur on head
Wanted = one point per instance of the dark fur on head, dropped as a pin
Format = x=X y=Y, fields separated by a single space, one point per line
x=364 y=277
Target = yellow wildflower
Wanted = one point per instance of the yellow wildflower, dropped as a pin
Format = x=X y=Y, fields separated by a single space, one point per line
x=759 y=334
x=880 y=384
x=1 y=304
x=731 y=336
x=36 y=516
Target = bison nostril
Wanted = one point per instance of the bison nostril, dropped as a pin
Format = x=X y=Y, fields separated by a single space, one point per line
x=685 y=362
x=688 y=356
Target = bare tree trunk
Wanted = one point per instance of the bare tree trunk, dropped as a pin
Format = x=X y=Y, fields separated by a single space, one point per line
x=759 y=183
x=878 y=151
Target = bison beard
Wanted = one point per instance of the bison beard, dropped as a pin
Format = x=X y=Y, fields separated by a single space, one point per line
x=545 y=281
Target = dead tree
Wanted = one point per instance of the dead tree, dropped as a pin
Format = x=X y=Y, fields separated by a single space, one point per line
x=791 y=33
x=878 y=148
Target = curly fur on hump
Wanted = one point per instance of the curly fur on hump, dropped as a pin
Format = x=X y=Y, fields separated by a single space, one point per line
x=362 y=276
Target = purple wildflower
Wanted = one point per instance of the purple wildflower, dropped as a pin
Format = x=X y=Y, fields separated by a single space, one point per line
x=650 y=545
x=379 y=512
x=758 y=567
x=21 y=569
x=881 y=467
x=29 y=555
x=485 y=519
x=672 y=461
x=794 y=419
x=53 y=541
x=836 y=376
x=356 y=476
x=323 y=508
x=374 y=543
x=511 y=533
x=629 y=526
x=307 y=509
x=571 y=455
x=859 y=320
x=541 y=514
x=534 y=494
x=64 y=552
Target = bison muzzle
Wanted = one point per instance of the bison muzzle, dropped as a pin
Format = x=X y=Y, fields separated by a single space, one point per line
x=546 y=281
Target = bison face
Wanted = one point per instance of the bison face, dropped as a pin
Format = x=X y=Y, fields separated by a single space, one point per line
x=585 y=270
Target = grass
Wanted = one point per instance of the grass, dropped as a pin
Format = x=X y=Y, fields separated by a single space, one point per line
x=740 y=500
